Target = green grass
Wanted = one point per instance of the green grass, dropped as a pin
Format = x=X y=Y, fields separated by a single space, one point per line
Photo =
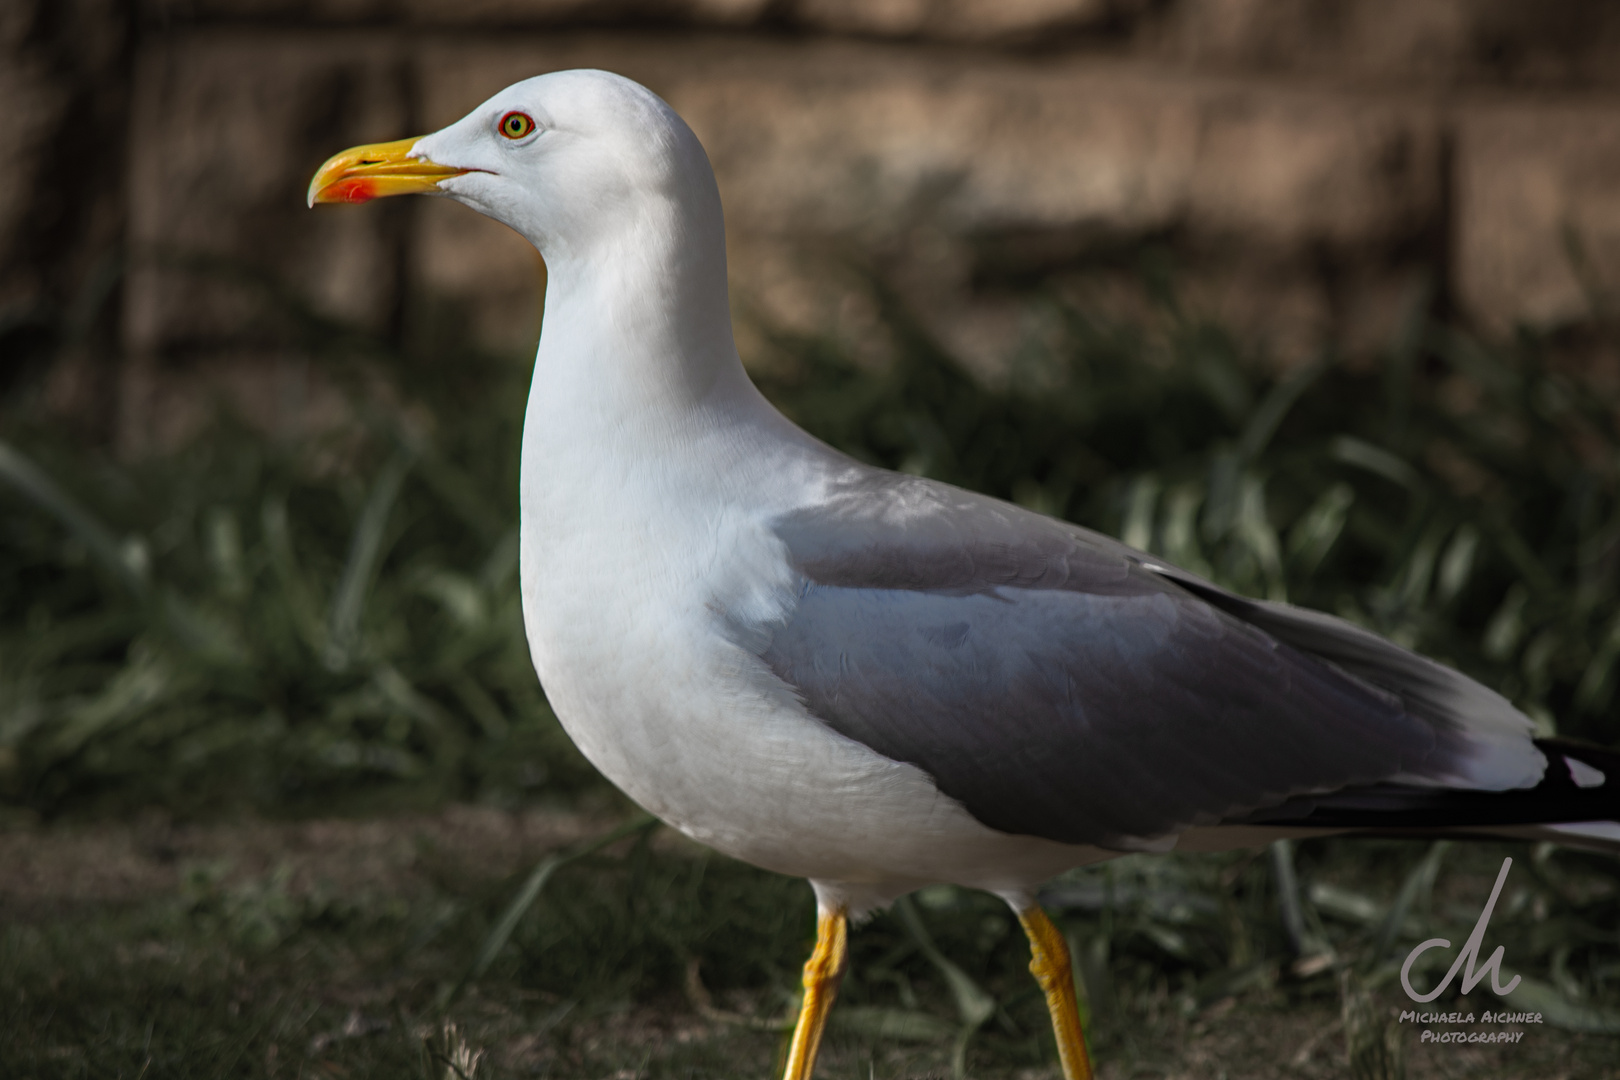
x=270 y=973
x=251 y=623
x=256 y=627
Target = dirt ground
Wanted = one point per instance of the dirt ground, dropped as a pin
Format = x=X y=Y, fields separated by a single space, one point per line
x=54 y=876
x=126 y=862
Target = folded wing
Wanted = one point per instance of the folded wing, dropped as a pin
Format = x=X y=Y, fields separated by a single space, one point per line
x=1059 y=684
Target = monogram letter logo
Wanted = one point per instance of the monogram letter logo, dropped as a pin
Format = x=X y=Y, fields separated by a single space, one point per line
x=1470 y=953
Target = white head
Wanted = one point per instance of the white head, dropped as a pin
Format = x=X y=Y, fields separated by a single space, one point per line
x=573 y=160
x=617 y=194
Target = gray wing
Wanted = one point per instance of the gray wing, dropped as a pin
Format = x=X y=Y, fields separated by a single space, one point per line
x=1059 y=684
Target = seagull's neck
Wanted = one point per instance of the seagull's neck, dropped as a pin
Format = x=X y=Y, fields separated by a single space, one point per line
x=637 y=383
x=637 y=326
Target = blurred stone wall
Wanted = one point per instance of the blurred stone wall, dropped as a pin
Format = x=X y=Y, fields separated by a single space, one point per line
x=1310 y=166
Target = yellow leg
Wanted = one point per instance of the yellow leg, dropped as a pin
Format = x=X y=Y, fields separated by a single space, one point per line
x=1049 y=963
x=822 y=974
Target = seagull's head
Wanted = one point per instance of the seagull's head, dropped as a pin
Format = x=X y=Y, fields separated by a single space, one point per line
x=568 y=159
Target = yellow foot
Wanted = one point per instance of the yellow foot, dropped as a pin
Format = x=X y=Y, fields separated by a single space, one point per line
x=1049 y=963
x=822 y=974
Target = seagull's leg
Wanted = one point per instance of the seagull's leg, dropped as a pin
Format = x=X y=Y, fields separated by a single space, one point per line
x=1049 y=963
x=822 y=974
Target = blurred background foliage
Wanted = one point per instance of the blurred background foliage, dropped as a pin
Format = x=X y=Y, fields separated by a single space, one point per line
x=260 y=621
x=331 y=623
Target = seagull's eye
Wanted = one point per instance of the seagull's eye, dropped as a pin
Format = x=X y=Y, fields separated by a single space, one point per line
x=515 y=125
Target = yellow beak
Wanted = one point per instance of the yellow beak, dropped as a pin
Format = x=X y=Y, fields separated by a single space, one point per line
x=363 y=173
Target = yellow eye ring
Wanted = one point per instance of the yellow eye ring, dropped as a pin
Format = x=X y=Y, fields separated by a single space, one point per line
x=516 y=125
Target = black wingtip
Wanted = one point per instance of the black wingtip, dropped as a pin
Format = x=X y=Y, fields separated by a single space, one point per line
x=1581 y=784
x=1580 y=765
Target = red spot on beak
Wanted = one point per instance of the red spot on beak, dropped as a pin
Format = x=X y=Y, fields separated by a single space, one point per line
x=355 y=190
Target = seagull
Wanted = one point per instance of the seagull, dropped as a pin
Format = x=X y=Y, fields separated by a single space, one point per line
x=878 y=681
